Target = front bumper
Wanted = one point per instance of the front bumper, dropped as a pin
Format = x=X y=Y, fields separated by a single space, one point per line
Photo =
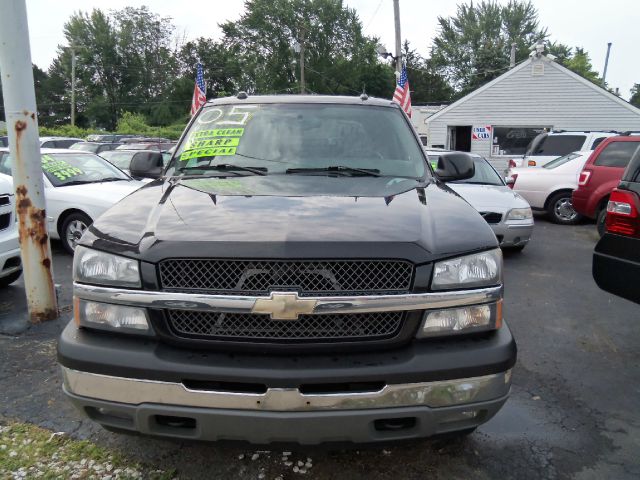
x=9 y=250
x=426 y=388
x=513 y=234
x=304 y=427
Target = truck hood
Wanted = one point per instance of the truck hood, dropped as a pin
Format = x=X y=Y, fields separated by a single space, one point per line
x=494 y=198
x=285 y=216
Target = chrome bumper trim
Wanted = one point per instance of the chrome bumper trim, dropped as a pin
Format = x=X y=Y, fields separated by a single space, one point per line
x=323 y=305
x=429 y=394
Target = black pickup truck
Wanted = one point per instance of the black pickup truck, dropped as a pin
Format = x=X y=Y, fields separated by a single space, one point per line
x=298 y=273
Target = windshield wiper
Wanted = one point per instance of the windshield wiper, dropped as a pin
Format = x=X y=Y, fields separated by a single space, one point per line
x=75 y=182
x=113 y=179
x=371 y=172
x=227 y=167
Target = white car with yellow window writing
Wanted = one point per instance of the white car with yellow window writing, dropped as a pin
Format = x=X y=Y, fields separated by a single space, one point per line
x=79 y=187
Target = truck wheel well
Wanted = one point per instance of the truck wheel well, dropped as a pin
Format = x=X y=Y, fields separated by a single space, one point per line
x=553 y=194
x=63 y=217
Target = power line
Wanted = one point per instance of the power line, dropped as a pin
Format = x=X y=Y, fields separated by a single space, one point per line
x=373 y=16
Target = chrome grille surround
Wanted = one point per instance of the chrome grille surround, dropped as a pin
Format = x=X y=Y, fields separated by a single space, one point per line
x=312 y=328
x=307 y=277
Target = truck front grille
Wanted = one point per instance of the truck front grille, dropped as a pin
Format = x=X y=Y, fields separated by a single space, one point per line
x=311 y=328
x=259 y=277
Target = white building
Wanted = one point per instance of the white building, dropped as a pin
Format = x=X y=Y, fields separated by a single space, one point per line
x=420 y=114
x=500 y=118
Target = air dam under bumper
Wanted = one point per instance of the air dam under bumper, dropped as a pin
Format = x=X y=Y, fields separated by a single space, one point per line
x=395 y=412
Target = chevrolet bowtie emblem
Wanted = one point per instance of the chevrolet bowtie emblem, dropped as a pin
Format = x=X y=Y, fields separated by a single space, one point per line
x=284 y=306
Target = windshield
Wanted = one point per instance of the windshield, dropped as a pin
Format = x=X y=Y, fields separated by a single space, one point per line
x=555 y=145
x=293 y=138
x=484 y=174
x=72 y=168
x=561 y=161
x=85 y=147
x=122 y=160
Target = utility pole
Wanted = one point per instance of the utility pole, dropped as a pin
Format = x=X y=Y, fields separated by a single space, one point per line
x=606 y=64
x=302 y=86
x=73 y=85
x=396 y=17
x=22 y=127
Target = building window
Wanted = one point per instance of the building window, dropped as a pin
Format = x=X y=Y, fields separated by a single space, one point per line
x=513 y=140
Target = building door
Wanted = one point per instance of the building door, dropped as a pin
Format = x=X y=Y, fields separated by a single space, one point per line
x=460 y=138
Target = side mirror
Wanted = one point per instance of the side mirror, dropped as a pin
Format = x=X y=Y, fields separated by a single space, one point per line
x=455 y=166
x=146 y=165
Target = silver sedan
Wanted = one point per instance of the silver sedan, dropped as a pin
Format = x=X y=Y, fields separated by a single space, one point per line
x=507 y=212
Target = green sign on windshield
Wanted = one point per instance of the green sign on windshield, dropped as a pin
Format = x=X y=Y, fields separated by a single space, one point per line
x=59 y=168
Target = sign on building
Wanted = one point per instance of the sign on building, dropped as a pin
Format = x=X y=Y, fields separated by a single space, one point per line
x=481 y=133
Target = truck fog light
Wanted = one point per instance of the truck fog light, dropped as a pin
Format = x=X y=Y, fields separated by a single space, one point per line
x=461 y=320
x=106 y=316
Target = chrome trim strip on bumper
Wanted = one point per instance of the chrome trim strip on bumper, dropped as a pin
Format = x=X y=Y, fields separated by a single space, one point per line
x=323 y=305
x=429 y=394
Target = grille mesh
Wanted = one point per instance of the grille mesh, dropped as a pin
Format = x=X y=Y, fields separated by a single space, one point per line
x=306 y=277
x=5 y=221
x=248 y=327
x=491 y=217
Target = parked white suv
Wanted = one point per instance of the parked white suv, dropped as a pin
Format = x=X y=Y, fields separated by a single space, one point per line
x=10 y=264
x=550 y=145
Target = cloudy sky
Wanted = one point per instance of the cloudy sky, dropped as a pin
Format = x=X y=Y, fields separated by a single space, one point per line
x=586 y=23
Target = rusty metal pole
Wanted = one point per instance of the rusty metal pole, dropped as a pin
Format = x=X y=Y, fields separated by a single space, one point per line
x=22 y=128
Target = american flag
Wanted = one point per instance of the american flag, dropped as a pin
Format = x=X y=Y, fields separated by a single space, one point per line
x=199 y=92
x=402 y=96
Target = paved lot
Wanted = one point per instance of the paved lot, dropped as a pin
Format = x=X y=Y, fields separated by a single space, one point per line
x=573 y=412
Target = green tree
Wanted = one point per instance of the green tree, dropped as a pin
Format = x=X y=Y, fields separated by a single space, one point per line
x=42 y=85
x=426 y=84
x=474 y=46
x=575 y=59
x=339 y=58
x=580 y=63
x=635 y=95
x=124 y=62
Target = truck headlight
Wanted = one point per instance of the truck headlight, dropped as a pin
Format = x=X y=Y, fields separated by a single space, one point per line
x=477 y=270
x=106 y=316
x=519 y=214
x=93 y=266
x=461 y=320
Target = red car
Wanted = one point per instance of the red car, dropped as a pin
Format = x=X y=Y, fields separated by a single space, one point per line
x=600 y=175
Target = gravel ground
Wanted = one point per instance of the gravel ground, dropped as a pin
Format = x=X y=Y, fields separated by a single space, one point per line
x=27 y=451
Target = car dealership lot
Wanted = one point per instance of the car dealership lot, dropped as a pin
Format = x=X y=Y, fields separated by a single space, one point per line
x=572 y=413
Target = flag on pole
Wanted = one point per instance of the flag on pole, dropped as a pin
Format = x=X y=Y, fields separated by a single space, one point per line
x=199 y=91
x=402 y=95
